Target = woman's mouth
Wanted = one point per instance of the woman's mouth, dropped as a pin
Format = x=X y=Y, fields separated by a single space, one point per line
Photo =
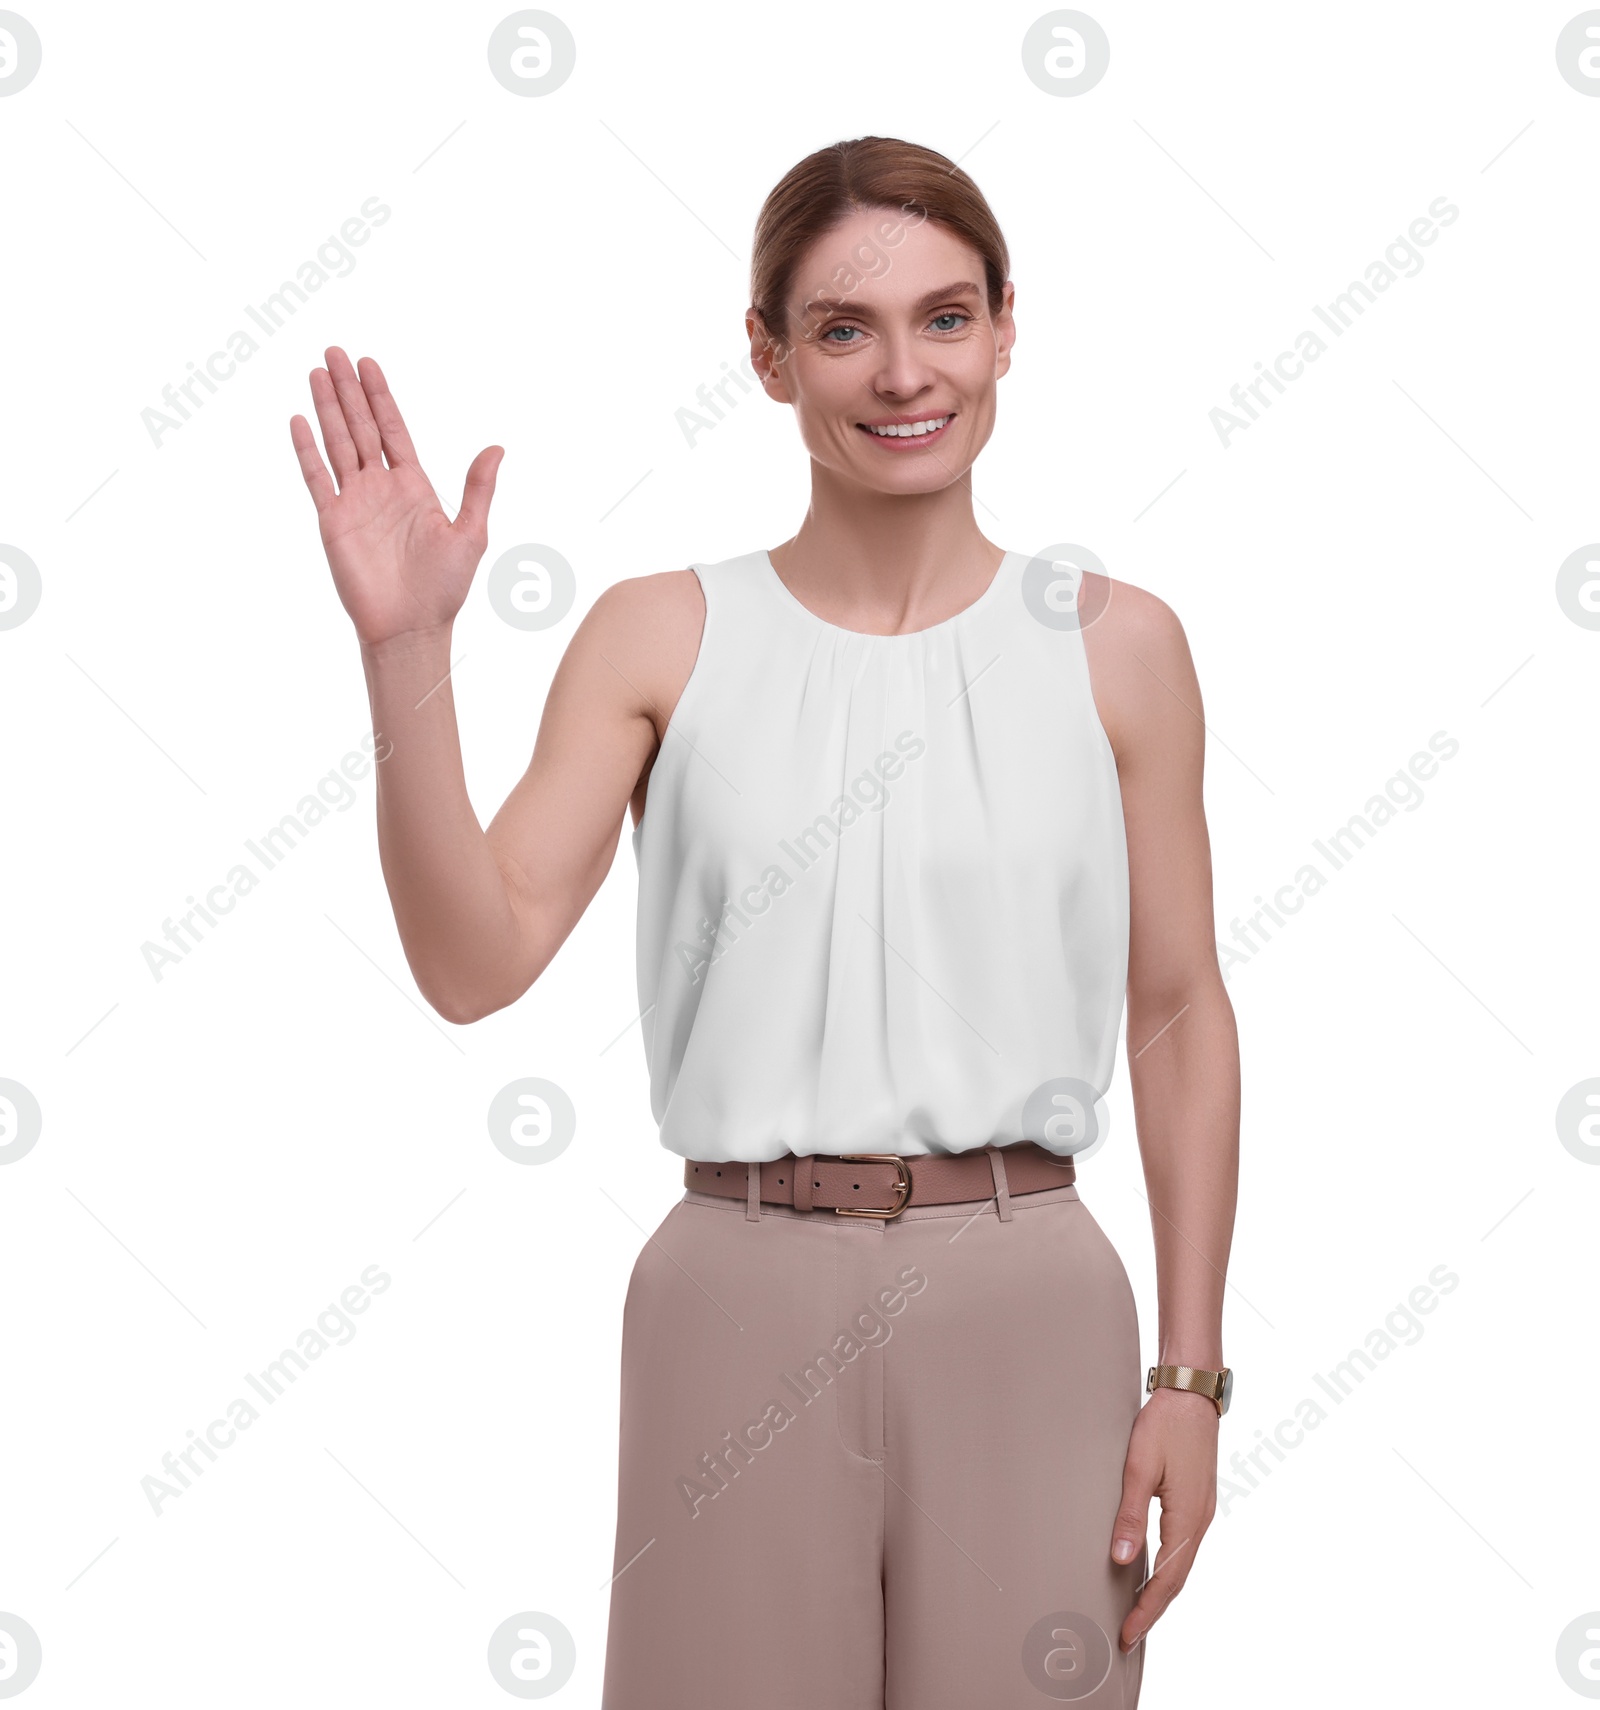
x=909 y=434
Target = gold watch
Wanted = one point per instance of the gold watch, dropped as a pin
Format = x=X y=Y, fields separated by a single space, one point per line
x=1214 y=1386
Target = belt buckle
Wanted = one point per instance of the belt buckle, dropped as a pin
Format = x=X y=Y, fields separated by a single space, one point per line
x=902 y=1186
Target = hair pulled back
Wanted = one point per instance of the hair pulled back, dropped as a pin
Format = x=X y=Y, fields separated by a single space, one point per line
x=815 y=194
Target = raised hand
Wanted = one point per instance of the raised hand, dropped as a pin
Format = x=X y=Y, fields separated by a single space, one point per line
x=401 y=566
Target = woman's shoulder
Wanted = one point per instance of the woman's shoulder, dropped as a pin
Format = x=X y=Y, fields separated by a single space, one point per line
x=649 y=630
x=642 y=636
x=660 y=596
x=674 y=608
x=1125 y=612
x=677 y=597
x=1140 y=669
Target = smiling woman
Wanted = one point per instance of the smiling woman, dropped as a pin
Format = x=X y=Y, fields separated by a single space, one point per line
x=912 y=1048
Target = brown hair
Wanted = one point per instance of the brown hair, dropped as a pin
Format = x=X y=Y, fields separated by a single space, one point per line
x=846 y=177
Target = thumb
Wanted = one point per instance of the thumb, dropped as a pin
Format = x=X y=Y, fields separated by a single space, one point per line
x=1133 y=1512
x=473 y=517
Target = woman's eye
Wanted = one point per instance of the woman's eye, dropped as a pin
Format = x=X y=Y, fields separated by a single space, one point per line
x=952 y=320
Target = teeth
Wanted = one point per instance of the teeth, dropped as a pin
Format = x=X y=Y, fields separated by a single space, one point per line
x=910 y=430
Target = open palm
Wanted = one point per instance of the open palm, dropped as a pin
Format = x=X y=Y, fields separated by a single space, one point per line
x=399 y=563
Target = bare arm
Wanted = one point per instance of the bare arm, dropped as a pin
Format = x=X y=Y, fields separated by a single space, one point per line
x=1183 y=1049
x=481 y=913
x=1183 y=1057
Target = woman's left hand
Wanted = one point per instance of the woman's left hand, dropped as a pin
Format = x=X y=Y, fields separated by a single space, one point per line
x=1172 y=1454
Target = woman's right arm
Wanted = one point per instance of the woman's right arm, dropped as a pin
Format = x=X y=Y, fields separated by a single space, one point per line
x=480 y=913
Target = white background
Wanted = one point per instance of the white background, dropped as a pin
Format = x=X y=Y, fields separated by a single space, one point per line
x=225 y=1149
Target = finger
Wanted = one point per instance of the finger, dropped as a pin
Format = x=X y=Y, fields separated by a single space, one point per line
x=335 y=435
x=1139 y=1480
x=1165 y=1582
x=473 y=517
x=311 y=466
x=397 y=446
x=357 y=411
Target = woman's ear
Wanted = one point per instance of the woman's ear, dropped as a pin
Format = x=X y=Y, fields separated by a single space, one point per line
x=767 y=356
x=1005 y=329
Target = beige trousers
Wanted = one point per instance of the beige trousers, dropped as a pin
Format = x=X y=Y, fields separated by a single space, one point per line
x=874 y=1466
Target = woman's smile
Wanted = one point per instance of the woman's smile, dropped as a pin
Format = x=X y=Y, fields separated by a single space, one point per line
x=907 y=433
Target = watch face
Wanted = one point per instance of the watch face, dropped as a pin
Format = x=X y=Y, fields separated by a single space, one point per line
x=1227 y=1388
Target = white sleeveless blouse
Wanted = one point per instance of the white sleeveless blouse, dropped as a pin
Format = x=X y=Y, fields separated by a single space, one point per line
x=883 y=880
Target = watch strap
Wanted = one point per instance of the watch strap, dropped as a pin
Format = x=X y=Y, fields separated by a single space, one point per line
x=1211 y=1384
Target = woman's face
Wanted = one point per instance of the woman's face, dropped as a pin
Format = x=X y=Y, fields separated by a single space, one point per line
x=889 y=327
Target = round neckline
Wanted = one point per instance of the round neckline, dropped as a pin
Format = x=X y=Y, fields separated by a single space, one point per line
x=790 y=598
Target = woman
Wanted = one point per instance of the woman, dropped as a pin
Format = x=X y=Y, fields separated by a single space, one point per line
x=913 y=813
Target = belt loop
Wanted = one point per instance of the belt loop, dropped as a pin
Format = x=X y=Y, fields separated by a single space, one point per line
x=802 y=1183
x=997 y=1166
x=752 y=1204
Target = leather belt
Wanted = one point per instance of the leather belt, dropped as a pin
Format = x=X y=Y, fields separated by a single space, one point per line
x=883 y=1184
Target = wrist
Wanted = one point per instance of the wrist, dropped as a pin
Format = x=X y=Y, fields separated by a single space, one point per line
x=1204 y=1355
x=408 y=645
x=1183 y=1398
x=1211 y=1384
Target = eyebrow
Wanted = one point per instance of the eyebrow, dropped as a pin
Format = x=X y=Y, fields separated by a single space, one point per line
x=831 y=305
